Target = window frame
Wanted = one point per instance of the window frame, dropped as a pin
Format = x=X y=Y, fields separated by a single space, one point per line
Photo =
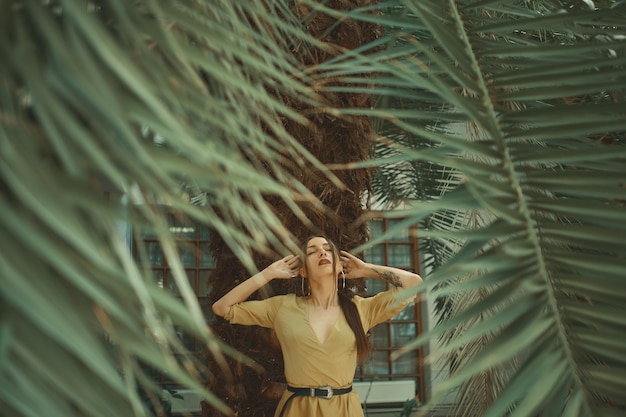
x=162 y=273
x=199 y=239
x=417 y=372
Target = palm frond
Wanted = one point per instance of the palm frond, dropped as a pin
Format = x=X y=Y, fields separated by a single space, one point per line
x=542 y=88
x=158 y=101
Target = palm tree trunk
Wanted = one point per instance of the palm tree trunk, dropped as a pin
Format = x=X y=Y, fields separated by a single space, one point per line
x=331 y=140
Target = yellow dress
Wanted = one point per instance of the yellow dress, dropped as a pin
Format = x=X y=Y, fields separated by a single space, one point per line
x=309 y=363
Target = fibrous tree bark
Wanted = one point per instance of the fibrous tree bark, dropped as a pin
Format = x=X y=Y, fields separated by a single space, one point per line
x=333 y=141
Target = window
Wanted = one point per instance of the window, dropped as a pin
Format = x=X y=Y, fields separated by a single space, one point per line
x=193 y=246
x=399 y=251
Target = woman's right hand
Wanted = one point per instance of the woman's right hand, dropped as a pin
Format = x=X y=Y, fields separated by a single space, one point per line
x=353 y=267
x=284 y=268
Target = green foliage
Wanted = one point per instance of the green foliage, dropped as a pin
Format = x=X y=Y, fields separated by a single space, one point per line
x=408 y=407
x=503 y=136
x=166 y=103
x=506 y=118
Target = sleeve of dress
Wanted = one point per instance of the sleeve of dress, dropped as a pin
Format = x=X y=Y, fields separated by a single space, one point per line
x=257 y=312
x=382 y=306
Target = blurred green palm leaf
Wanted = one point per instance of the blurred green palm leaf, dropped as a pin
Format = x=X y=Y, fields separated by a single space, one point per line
x=502 y=134
x=502 y=128
x=171 y=103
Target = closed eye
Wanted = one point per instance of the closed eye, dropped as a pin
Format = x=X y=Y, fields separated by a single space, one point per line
x=325 y=247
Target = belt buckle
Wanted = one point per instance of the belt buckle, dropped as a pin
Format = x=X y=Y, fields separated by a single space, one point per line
x=329 y=392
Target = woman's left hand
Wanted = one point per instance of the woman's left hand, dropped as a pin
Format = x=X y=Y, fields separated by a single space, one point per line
x=353 y=267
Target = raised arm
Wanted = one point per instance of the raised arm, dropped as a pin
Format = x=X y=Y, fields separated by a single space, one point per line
x=356 y=268
x=282 y=269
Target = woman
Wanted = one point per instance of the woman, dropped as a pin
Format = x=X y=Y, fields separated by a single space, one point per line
x=323 y=332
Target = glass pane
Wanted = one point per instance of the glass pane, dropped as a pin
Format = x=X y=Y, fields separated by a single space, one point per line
x=203 y=283
x=187 y=340
x=138 y=258
x=205 y=306
x=402 y=333
x=204 y=233
x=173 y=286
x=405 y=364
x=206 y=257
x=402 y=235
x=201 y=348
x=182 y=228
x=380 y=336
x=171 y=283
x=191 y=276
x=376 y=255
x=187 y=254
x=400 y=256
x=378 y=364
x=155 y=254
x=158 y=277
x=407 y=314
x=147 y=234
x=376 y=227
x=374 y=286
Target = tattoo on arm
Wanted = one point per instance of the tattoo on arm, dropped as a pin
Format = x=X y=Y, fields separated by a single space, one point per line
x=389 y=277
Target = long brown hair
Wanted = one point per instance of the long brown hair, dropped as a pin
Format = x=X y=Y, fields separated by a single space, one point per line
x=350 y=312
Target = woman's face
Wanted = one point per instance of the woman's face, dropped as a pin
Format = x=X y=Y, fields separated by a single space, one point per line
x=319 y=258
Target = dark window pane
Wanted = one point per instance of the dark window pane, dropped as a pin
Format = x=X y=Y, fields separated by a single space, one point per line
x=187 y=252
x=183 y=232
x=148 y=234
x=401 y=235
x=155 y=254
x=400 y=256
x=407 y=314
x=191 y=276
x=206 y=257
x=376 y=255
x=402 y=333
x=374 y=286
x=405 y=364
x=171 y=283
x=378 y=364
x=188 y=341
x=203 y=283
x=380 y=336
x=207 y=310
x=158 y=277
x=376 y=227
x=182 y=228
x=204 y=233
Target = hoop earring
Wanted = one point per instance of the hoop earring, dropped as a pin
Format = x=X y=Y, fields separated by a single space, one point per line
x=304 y=293
x=343 y=278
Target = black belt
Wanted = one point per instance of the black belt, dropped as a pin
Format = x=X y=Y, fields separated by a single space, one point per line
x=322 y=392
